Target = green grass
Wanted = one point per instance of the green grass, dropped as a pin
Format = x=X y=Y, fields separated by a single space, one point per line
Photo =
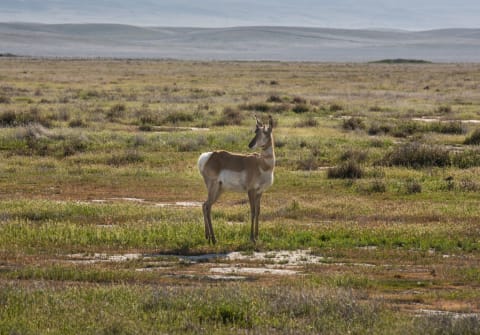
x=400 y=236
x=51 y=227
x=133 y=310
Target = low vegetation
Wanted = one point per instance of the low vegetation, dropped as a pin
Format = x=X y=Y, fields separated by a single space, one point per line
x=371 y=226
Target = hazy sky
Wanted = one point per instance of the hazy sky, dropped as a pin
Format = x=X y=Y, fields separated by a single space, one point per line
x=391 y=14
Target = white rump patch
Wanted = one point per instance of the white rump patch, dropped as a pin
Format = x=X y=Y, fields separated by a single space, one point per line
x=202 y=160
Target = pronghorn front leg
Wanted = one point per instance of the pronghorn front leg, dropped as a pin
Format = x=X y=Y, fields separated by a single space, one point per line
x=257 y=212
x=252 y=199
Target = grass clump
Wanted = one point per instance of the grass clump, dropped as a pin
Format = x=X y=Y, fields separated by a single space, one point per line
x=353 y=123
x=300 y=108
x=358 y=156
x=444 y=110
x=377 y=186
x=413 y=186
x=4 y=99
x=21 y=118
x=443 y=324
x=230 y=117
x=417 y=155
x=346 y=170
x=117 y=111
x=275 y=98
x=335 y=107
x=177 y=117
x=466 y=159
x=256 y=107
x=77 y=123
x=451 y=127
x=474 y=138
x=128 y=157
x=307 y=123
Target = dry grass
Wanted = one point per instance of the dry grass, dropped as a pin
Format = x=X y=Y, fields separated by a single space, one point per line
x=86 y=168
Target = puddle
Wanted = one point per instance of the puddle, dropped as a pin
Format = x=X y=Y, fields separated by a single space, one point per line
x=174 y=129
x=99 y=257
x=187 y=204
x=275 y=260
x=128 y=199
x=208 y=277
x=180 y=204
x=453 y=315
x=368 y=247
x=290 y=257
x=430 y=120
x=251 y=270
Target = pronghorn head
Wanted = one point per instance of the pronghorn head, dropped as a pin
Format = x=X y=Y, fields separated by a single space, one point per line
x=263 y=134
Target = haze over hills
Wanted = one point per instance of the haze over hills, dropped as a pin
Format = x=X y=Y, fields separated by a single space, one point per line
x=352 y=14
x=237 y=43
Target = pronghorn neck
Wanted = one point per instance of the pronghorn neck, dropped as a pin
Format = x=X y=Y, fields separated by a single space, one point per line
x=268 y=154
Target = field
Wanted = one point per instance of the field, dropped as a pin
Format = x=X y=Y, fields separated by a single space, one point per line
x=371 y=227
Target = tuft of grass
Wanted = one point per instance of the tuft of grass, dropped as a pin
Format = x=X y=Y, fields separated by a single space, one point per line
x=300 y=108
x=125 y=158
x=346 y=170
x=358 y=156
x=11 y=118
x=4 y=99
x=473 y=138
x=117 y=111
x=257 y=107
x=353 y=123
x=451 y=127
x=335 y=108
x=309 y=122
x=444 y=110
x=274 y=98
x=77 y=123
x=177 y=117
x=413 y=186
x=230 y=117
x=466 y=159
x=416 y=155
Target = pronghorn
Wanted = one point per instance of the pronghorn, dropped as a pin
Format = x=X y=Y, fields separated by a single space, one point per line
x=252 y=173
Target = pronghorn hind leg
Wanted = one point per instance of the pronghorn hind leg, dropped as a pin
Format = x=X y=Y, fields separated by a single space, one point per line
x=214 y=191
x=257 y=212
x=252 y=199
x=206 y=209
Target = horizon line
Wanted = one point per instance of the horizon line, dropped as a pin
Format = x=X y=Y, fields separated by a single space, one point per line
x=243 y=26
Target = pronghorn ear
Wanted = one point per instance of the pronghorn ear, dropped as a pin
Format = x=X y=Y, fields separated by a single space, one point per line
x=259 y=124
x=270 y=123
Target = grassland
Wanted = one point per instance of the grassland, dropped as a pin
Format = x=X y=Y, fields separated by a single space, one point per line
x=377 y=178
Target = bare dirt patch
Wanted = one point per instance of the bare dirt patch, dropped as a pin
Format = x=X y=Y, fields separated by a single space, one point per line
x=175 y=129
x=437 y=119
x=254 y=270
x=187 y=204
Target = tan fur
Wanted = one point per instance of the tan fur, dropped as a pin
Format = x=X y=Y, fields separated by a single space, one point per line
x=223 y=160
x=252 y=174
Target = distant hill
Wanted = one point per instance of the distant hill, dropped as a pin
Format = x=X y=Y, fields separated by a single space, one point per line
x=239 y=43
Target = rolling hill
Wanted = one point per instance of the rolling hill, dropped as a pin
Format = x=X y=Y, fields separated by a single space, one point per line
x=238 y=43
